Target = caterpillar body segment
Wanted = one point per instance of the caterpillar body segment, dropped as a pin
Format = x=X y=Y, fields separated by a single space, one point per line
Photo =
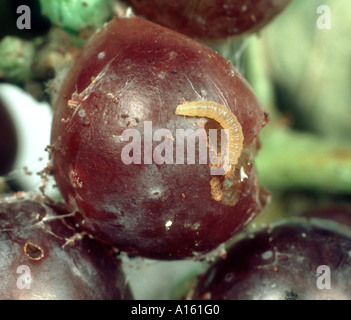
x=224 y=117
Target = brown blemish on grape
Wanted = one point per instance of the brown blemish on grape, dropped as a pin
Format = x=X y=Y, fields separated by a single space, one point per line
x=216 y=189
x=32 y=251
x=226 y=189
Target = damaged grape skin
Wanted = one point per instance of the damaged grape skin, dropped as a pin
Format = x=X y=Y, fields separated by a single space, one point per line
x=44 y=258
x=209 y=19
x=280 y=262
x=134 y=71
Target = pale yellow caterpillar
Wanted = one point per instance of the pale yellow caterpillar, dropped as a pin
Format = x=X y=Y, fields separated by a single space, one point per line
x=224 y=117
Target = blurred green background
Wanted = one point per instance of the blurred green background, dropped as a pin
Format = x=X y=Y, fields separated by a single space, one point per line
x=302 y=74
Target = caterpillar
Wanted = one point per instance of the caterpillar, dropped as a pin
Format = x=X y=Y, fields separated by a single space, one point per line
x=224 y=117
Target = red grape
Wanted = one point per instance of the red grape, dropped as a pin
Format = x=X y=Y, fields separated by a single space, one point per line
x=44 y=257
x=8 y=140
x=133 y=71
x=292 y=260
x=209 y=19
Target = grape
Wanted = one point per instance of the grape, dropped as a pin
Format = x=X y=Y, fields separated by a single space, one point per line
x=208 y=19
x=335 y=212
x=8 y=141
x=44 y=257
x=298 y=259
x=132 y=74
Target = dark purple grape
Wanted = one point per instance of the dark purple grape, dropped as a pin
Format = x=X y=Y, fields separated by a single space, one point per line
x=337 y=212
x=210 y=19
x=292 y=260
x=44 y=257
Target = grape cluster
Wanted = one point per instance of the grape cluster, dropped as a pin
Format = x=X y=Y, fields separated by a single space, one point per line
x=131 y=174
